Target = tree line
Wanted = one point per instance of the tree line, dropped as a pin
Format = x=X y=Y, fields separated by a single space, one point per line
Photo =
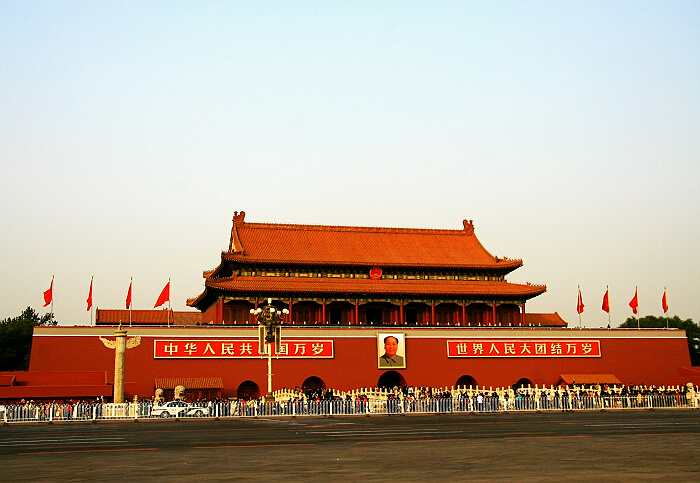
x=16 y=338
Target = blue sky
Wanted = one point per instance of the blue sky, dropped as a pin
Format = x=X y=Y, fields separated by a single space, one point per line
x=568 y=131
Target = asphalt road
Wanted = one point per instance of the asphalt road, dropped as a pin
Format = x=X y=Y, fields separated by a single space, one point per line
x=573 y=446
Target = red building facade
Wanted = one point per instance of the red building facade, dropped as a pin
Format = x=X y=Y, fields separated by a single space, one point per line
x=347 y=358
x=439 y=293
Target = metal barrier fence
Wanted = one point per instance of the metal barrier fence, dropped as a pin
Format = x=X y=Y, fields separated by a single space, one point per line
x=360 y=406
x=81 y=411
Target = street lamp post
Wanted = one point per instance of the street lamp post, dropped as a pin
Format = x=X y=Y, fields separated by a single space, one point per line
x=269 y=331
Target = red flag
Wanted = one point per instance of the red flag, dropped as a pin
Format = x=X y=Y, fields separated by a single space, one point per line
x=48 y=295
x=164 y=295
x=89 y=299
x=664 y=303
x=634 y=303
x=128 y=296
x=579 y=304
x=606 y=302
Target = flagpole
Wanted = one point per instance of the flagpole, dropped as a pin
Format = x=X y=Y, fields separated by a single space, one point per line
x=607 y=291
x=666 y=305
x=169 y=308
x=52 y=296
x=578 y=308
x=636 y=296
x=131 y=303
x=92 y=277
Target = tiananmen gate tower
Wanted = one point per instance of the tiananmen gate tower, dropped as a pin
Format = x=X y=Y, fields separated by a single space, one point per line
x=331 y=275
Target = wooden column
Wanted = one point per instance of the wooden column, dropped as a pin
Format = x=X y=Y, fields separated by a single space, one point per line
x=357 y=312
x=432 y=312
x=522 y=313
x=493 y=314
x=323 y=312
x=219 y=311
x=464 y=313
x=401 y=321
x=291 y=320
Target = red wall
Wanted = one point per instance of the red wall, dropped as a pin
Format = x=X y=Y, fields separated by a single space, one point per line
x=54 y=385
x=634 y=356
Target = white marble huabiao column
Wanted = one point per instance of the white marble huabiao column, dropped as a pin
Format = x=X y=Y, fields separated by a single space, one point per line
x=120 y=345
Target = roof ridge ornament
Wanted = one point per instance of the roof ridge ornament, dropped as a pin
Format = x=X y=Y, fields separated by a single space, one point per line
x=239 y=218
x=235 y=244
x=468 y=226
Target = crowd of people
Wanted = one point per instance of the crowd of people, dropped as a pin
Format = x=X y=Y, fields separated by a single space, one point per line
x=409 y=399
x=406 y=399
x=50 y=410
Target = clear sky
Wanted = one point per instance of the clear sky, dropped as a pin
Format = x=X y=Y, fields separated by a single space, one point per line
x=568 y=131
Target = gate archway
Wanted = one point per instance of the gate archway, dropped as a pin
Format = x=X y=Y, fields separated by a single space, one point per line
x=522 y=383
x=466 y=381
x=313 y=383
x=248 y=390
x=390 y=380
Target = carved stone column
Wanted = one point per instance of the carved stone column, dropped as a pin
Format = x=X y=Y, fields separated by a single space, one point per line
x=119 y=360
x=120 y=344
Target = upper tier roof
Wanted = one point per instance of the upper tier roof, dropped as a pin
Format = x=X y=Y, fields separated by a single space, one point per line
x=351 y=245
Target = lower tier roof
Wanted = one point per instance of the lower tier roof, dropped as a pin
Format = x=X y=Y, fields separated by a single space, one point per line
x=346 y=286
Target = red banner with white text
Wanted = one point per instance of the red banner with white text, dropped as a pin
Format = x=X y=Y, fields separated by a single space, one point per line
x=523 y=348
x=237 y=349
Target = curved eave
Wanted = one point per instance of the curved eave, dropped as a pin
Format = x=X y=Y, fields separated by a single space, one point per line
x=196 y=300
x=221 y=269
x=295 y=285
x=501 y=265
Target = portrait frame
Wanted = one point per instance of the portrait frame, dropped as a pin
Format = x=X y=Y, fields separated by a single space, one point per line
x=382 y=362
